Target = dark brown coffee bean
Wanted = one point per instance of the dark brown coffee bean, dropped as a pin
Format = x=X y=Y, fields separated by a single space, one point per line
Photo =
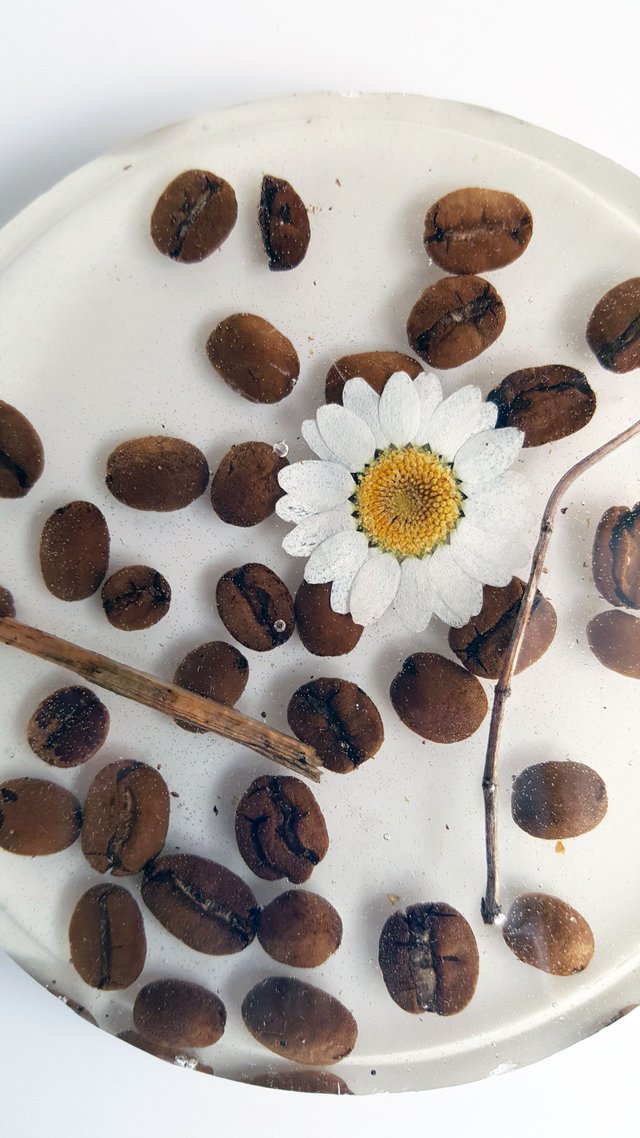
x=254 y=358
x=77 y=1008
x=475 y=230
x=284 y=223
x=299 y=1021
x=300 y=929
x=68 y=727
x=454 y=320
x=375 y=367
x=613 y=331
x=176 y=1013
x=311 y=1082
x=280 y=829
x=169 y=1054
x=201 y=903
x=193 y=216
x=157 y=473
x=616 y=556
x=256 y=607
x=7 y=603
x=136 y=597
x=37 y=817
x=106 y=936
x=429 y=959
x=339 y=720
x=547 y=403
x=614 y=639
x=245 y=488
x=21 y=453
x=323 y=631
x=74 y=551
x=548 y=934
x=126 y=817
x=216 y=671
x=558 y=800
x=482 y=643
x=438 y=699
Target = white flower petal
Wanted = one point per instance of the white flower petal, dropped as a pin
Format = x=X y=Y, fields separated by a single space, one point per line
x=413 y=602
x=490 y=558
x=359 y=397
x=342 y=582
x=314 y=440
x=429 y=391
x=451 y=421
x=399 y=409
x=334 y=556
x=321 y=485
x=374 y=588
x=456 y=596
x=350 y=439
x=504 y=504
x=311 y=531
x=292 y=509
x=486 y=456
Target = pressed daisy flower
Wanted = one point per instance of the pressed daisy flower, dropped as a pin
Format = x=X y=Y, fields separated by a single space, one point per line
x=410 y=503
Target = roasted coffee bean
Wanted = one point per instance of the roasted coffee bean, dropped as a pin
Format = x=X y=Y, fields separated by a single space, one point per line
x=311 y=1082
x=323 y=631
x=21 y=453
x=482 y=643
x=7 y=603
x=616 y=556
x=126 y=817
x=157 y=473
x=216 y=671
x=176 y=1013
x=438 y=699
x=300 y=929
x=74 y=551
x=299 y=1021
x=106 y=937
x=37 y=817
x=136 y=597
x=201 y=903
x=558 y=800
x=547 y=403
x=193 y=216
x=254 y=358
x=256 y=607
x=77 y=1008
x=475 y=230
x=68 y=727
x=339 y=720
x=614 y=639
x=549 y=934
x=284 y=223
x=169 y=1054
x=375 y=367
x=454 y=320
x=613 y=331
x=429 y=959
x=280 y=829
x=245 y=488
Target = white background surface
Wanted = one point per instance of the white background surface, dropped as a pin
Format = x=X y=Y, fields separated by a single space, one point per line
x=77 y=80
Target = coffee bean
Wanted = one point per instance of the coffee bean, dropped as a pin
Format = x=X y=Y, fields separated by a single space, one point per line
x=68 y=727
x=168 y=1054
x=613 y=331
x=547 y=403
x=77 y=1008
x=558 y=800
x=7 y=603
x=254 y=358
x=216 y=671
x=21 y=453
x=475 y=230
x=323 y=631
x=74 y=551
x=284 y=224
x=614 y=639
x=106 y=936
x=37 y=817
x=482 y=643
x=375 y=367
x=280 y=829
x=616 y=556
x=176 y=1013
x=201 y=903
x=245 y=486
x=548 y=934
x=157 y=473
x=193 y=216
x=339 y=720
x=311 y=1082
x=298 y=1021
x=136 y=597
x=126 y=817
x=429 y=959
x=438 y=699
x=300 y=929
x=255 y=606
x=454 y=320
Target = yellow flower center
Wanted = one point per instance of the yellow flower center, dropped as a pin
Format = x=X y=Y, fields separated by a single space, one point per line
x=407 y=501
